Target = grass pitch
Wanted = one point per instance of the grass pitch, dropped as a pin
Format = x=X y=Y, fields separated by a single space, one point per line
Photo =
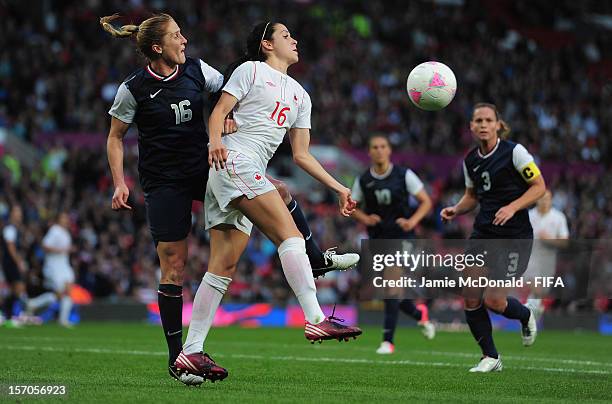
x=111 y=362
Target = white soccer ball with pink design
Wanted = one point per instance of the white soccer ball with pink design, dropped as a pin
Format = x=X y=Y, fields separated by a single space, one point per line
x=431 y=86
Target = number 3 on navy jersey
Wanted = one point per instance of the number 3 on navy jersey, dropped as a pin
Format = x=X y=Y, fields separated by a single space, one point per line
x=181 y=112
x=486 y=178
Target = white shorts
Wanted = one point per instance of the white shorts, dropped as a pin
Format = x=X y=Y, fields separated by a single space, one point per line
x=241 y=176
x=542 y=263
x=56 y=278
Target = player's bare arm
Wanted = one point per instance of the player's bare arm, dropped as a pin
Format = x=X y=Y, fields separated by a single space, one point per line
x=425 y=206
x=467 y=203
x=300 y=141
x=217 y=152
x=114 y=151
x=364 y=218
x=535 y=191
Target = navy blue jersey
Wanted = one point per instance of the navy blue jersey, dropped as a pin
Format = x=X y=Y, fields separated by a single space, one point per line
x=499 y=178
x=387 y=196
x=9 y=234
x=172 y=138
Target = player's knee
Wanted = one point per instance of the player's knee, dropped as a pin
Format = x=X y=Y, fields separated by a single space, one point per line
x=472 y=303
x=19 y=288
x=173 y=265
x=67 y=288
x=283 y=190
x=227 y=268
x=228 y=271
x=497 y=304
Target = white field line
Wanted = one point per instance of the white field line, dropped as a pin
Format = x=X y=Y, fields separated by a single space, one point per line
x=534 y=358
x=469 y=355
x=299 y=359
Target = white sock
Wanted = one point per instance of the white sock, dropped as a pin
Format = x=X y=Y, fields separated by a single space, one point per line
x=65 y=307
x=297 y=269
x=43 y=300
x=205 y=304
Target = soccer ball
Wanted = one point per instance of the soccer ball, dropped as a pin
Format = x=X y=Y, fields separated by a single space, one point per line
x=431 y=86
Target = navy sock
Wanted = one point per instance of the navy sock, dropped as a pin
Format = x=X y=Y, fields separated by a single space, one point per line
x=9 y=302
x=408 y=307
x=516 y=311
x=315 y=255
x=390 y=323
x=170 y=301
x=482 y=330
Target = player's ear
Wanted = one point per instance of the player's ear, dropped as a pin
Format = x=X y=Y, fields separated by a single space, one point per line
x=157 y=49
x=267 y=45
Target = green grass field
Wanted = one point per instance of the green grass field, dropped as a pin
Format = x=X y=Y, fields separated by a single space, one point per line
x=107 y=362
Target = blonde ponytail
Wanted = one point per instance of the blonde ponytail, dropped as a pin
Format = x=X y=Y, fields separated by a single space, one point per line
x=504 y=129
x=150 y=32
x=125 y=30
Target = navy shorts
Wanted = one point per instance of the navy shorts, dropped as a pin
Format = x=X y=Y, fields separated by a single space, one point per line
x=168 y=207
x=505 y=257
x=11 y=272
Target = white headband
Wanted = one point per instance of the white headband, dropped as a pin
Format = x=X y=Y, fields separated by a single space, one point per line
x=262 y=38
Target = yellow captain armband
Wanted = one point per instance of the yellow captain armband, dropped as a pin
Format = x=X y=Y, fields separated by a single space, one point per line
x=530 y=172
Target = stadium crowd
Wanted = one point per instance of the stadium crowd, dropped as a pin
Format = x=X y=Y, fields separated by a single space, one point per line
x=549 y=81
x=552 y=88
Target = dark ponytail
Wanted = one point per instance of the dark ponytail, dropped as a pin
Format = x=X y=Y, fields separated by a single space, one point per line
x=261 y=31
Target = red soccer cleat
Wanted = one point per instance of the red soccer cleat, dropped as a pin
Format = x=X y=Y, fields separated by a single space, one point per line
x=424 y=312
x=330 y=329
x=198 y=364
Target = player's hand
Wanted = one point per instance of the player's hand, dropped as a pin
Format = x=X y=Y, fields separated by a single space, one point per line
x=449 y=213
x=372 y=220
x=22 y=266
x=406 y=224
x=120 y=198
x=544 y=235
x=217 y=155
x=229 y=125
x=346 y=203
x=503 y=215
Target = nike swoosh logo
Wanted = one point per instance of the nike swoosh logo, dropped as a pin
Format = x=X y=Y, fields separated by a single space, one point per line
x=370 y=184
x=476 y=168
x=174 y=333
x=154 y=94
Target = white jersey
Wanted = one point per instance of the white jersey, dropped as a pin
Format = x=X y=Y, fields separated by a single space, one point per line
x=59 y=238
x=543 y=261
x=269 y=104
x=553 y=223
